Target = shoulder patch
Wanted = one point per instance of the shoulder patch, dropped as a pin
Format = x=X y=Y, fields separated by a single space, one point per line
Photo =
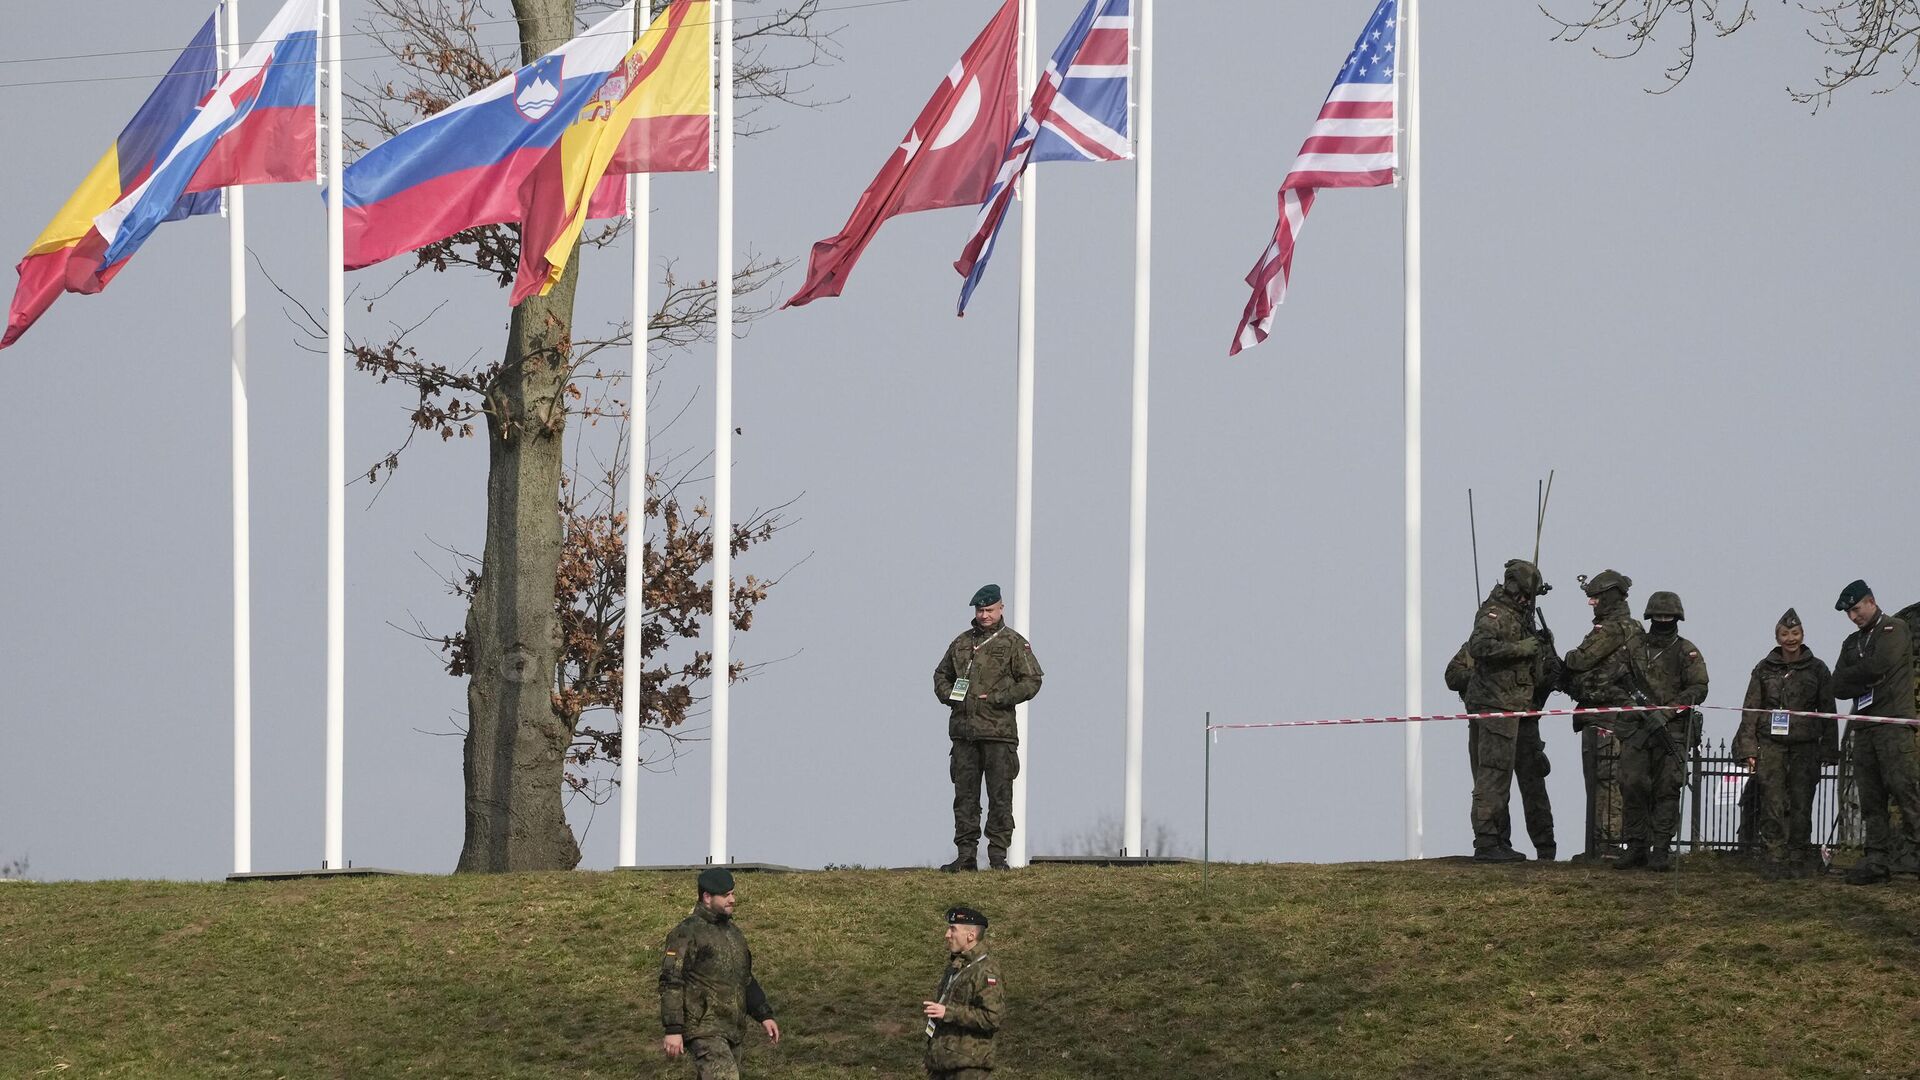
x=1695 y=655
x=991 y=981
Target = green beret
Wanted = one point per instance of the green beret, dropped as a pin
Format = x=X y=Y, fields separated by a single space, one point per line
x=965 y=916
x=717 y=880
x=1852 y=595
x=987 y=596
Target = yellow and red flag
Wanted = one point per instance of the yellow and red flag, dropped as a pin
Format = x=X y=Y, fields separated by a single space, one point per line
x=653 y=114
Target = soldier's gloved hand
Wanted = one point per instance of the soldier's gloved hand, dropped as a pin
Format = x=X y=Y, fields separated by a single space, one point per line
x=1527 y=647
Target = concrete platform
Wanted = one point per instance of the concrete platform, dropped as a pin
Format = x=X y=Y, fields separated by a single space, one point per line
x=291 y=875
x=1110 y=860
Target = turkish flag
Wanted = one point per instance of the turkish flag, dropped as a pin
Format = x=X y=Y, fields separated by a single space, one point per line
x=948 y=158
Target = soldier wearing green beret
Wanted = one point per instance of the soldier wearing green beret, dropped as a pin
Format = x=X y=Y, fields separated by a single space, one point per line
x=1875 y=669
x=707 y=988
x=985 y=673
x=1597 y=677
x=969 y=1006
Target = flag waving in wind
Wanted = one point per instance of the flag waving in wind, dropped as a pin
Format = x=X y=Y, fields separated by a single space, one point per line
x=256 y=128
x=1352 y=145
x=1078 y=113
x=946 y=159
x=657 y=102
x=66 y=257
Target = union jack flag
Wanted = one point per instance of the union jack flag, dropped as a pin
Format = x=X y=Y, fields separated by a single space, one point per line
x=1079 y=112
x=1352 y=144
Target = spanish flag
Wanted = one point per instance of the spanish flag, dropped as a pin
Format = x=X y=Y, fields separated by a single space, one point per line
x=653 y=114
x=67 y=256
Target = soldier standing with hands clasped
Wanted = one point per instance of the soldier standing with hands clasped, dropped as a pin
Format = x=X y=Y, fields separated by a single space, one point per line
x=969 y=1006
x=1875 y=669
x=1784 y=750
x=985 y=673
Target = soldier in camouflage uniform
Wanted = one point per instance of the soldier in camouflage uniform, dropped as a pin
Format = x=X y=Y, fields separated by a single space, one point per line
x=1667 y=669
x=987 y=671
x=707 y=988
x=1509 y=663
x=1597 y=677
x=1876 y=670
x=1785 y=751
x=969 y=1006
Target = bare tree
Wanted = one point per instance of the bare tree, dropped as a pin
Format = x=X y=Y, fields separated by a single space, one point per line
x=1864 y=40
x=15 y=870
x=1104 y=837
x=546 y=605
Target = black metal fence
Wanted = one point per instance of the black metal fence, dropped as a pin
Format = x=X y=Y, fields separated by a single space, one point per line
x=1718 y=811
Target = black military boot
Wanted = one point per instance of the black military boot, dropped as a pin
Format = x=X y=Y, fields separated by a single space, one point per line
x=997 y=862
x=1546 y=853
x=1635 y=858
x=1498 y=855
x=964 y=863
x=1866 y=873
x=1660 y=859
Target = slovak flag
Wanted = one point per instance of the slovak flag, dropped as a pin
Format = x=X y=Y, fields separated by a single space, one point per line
x=462 y=167
x=257 y=127
x=946 y=159
x=1078 y=113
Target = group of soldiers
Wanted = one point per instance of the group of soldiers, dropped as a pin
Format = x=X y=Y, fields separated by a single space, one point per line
x=708 y=992
x=1509 y=665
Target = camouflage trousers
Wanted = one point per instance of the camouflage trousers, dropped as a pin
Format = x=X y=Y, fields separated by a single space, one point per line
x=1600 y=768
x=1784 y=778
x=1500 y=752
x=714 y=1059
x=1886 y=770
x=1650 y=783
x=969 y=762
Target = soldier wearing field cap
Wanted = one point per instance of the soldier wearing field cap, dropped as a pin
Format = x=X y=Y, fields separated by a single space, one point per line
x=1875 y=669
x=707 y=988
x=983 y=676
x=1784 y=747
x=969 y=1006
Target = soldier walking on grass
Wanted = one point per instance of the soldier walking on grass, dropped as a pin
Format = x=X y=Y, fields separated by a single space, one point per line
x=969 y=1006
x=985 y=673
x=1598 y=677
x=707 y=988
x=1875 y=669
x=1783 y=750
x=1510 y=661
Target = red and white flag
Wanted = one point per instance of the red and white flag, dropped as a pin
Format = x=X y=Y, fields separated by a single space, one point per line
x=948 y=158
x=1352 y=145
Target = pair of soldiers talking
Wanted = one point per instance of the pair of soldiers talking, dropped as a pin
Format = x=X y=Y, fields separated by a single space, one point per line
x=1509 y=665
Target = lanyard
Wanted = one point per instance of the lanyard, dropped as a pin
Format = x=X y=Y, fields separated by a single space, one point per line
x=976 y=651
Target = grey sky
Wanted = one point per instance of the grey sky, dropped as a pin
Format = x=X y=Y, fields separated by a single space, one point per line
x=1682 y=303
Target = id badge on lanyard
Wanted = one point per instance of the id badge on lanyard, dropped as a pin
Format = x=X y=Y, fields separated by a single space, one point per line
x=1781 y=723
x=1860 y=703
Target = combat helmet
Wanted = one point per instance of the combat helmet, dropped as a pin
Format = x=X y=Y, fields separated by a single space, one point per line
x=1664 y=605
x=1523 y=579
x=1604 y=580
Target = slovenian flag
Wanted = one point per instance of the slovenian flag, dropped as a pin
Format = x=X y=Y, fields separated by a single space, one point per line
x=66 y=257
x=257 y=127
x=652 y=114
x=462 y=167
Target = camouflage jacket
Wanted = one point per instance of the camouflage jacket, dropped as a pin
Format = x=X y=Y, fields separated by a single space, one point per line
x=1805 y=685
x=998 y=663
x=1879 y=661
x=1505 y=654
x=707 y=988
x=1598 y=671
x=976 y=1004
x=1670 y=671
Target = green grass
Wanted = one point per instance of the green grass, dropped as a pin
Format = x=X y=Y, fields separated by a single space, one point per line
x=1372 y=970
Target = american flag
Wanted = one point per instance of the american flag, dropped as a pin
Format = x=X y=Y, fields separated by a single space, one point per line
x=1078 y=113
x=1351 y=145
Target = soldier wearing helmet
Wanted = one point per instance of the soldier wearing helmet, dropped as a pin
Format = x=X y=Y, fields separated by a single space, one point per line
x=1597 y=677
x=1667 y=669
x=1510 y=662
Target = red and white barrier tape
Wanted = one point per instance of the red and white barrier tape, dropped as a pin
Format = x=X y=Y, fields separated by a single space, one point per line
x=1352 y=720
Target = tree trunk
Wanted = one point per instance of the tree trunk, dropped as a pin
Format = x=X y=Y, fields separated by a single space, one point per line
x=516 y=741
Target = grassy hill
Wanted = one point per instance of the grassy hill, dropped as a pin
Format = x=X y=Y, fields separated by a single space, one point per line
x=1434 y=969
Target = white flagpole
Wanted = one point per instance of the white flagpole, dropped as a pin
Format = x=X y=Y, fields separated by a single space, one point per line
x=336 y=451
x=1023 y=433
x=1137 y=502
x=1410 y=83
x=639 y=199
x=722 y=439
x=242 y=544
